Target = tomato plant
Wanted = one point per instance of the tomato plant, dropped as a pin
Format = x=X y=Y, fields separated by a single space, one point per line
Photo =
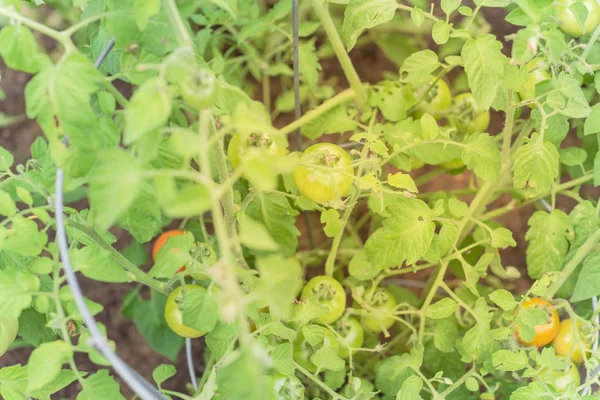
x=374 y=199
x=380 y=305
x=199 y=88
x=174 y=312
x=546 y=331
x=305 y=350
x=325 y=172
x=572 y=341
x=328 y=293
x=576 y=26
x=561 y=379
x=352 y=334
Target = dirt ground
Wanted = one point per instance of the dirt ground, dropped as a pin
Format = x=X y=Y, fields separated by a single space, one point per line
x=370 y=62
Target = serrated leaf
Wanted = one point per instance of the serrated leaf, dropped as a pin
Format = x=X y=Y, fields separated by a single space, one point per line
x=508 y=360
x=327 y=359
x=114 y=185
x=484 y=65
x=331 y=219
x=45 y=363
x=360 y=268
x=283 y=360
x=503 y=299
x=410 y=389
x=441 y=309
x=365 y=14
x=200 y=310
x=592 y=122
x=101 y=386
x=535 y=166
x=572 y=156
x=309 y=64
x=502 y=238
x=419 y=66
x=405 y=236
x=402 y=181
x=481 y=155
x=19 y=49
x=548 y=236
x=588 y=284
x=149 y=109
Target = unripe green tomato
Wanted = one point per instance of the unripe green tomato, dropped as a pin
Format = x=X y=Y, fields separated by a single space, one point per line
x=303 y=350
x=569 y=24
x=564 y=341
x=353 y=336
x=326 y=291
x=286 y=388
x=479 y=120
x=559 y=380
x=381 y=315
x=436 y=101
x=41 y=304
x=325 y=172
x=274 y=144
x=199 y=88
x=537 y=74
x=174 y=314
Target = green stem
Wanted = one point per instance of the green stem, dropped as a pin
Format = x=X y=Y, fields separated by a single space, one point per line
x=508 y=129
x=53 y=33
x=316 y=380
x=338 y=99
x=110 y=88
x=82 y=24
x=183 y=37
x=578 y=257
x=340 y=51
x=138 y=274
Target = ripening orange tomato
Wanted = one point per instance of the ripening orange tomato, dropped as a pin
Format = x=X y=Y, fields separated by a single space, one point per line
x=162 y=239
x=544 y=333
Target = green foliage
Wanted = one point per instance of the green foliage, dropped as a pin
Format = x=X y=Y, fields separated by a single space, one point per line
x=143 y=140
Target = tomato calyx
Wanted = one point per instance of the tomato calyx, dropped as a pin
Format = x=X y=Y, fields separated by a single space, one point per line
x=323 y=291
x=378 y=298
x=264 y=141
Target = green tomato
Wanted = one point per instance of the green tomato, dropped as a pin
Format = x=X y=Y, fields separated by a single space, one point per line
x=537 y=74
x=174 y=313
x=325 y=172
x=569 y=24
x=238 y=146
x=286 y=388
x=199 y=88
x=454 y=164
x=478 y=120
x=326 y=291
x=352 y=334
x=436 y=101
x=560 y=380
x=303 y=350
x=382 y=304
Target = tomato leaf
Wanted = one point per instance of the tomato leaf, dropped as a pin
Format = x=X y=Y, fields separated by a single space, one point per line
x=405 y=236
x=484 y=65
x=365 y=14
x=587 y=285
x=101 y=385
x=535 y=166
x=200 y=310
x=441 y=309
x=548 y=236
x=509 y=360
x=149 y=109
x=19 y=49
x=45 y=363
x=481 y=155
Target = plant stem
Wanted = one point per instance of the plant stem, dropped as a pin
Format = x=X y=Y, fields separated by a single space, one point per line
x=340 y=51
x=138 y=274
x=334 y=395
x=338 y=99
x=508 y=129
x=578 y=257
x=183 y=37
x=53 y=33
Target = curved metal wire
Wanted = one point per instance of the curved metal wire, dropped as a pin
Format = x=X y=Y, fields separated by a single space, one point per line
x=136 y=382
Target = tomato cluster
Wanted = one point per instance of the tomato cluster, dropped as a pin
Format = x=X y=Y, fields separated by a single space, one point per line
x=570 y=339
